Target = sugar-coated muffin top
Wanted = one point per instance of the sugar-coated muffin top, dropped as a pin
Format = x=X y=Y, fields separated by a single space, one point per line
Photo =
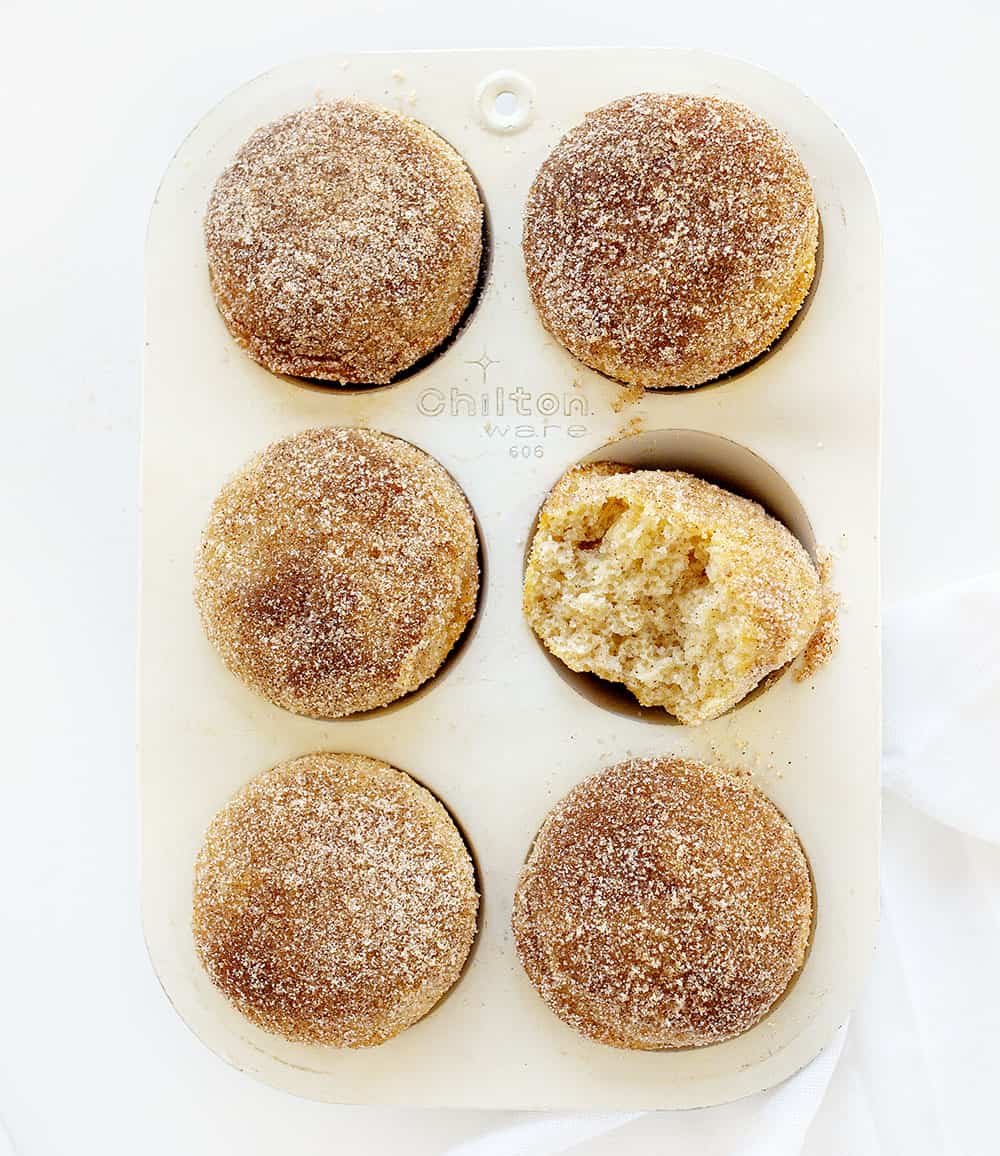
x=665 y=904
x=337 y=570
x=344 y=242
x=670 y=239
x=334 y=900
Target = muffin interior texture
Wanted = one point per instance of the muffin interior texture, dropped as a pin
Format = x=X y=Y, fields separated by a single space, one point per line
x=686 y=594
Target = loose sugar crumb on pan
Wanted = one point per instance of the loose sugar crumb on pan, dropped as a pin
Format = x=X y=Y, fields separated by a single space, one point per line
x=825 y=639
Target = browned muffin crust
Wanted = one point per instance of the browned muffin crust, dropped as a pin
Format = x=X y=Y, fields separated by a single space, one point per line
x=665 y=904
x=334 y=901
x=670 y=239
x=344 y=242
x=337 y=571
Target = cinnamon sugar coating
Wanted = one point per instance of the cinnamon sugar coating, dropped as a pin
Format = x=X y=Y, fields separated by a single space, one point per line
x=334 y=901
x=344 y=242
x=337 y=571
x=665 y=904
x=670 y=239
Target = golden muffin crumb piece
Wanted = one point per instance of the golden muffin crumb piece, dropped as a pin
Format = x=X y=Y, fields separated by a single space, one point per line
x=683 y=592
x=826 y=637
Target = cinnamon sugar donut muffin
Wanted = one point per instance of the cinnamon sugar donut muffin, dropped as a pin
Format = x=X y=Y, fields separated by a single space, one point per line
x=334 y=901
x=665 y=904
x=344 y=242
x=683 y=592
x=337 y=571
x=670 y=239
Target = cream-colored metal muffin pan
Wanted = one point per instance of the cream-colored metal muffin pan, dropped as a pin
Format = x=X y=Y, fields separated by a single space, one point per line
x=503 y=732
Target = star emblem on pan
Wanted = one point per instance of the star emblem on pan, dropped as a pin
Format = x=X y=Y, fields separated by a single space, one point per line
x=484 y=362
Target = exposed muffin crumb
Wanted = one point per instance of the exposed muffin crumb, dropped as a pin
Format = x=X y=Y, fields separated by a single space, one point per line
x=665 y=904
x=337 y=571
x=627 y=395
x=670 y=239
x=344 y=242
x=826 y=637
x=683 y=592
x=334 y=901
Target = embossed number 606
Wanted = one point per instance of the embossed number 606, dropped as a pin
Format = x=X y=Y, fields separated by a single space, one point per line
x=527 y=451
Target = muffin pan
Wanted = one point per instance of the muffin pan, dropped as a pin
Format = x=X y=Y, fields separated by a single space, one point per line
x=500 y=734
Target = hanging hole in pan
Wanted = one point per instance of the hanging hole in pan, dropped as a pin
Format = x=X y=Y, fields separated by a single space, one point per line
x=505 y=101
x=505 y=105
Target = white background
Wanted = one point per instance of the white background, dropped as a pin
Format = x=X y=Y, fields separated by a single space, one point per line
x=94 y=98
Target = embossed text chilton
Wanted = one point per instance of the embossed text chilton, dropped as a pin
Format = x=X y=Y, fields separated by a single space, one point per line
x=551 y=413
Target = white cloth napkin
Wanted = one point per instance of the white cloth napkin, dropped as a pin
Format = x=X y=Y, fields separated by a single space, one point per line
x=916 y=1071
x=941 y=664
